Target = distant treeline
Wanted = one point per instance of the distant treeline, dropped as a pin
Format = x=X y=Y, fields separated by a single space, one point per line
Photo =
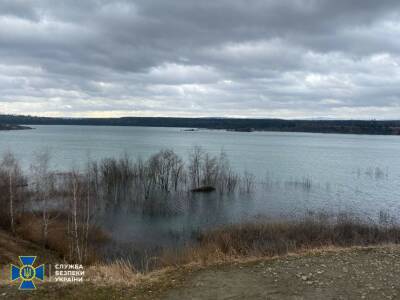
x=317 y=126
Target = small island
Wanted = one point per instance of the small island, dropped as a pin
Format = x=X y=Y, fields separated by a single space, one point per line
x=7 y=127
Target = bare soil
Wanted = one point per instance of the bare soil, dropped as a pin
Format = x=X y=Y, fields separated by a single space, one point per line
x=362 y=273
x=357 y=274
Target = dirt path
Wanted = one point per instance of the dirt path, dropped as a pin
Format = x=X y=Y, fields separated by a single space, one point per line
x=372 y=273
x=355 y=274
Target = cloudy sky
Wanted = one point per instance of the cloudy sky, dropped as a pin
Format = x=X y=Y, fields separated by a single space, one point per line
x=220 y=58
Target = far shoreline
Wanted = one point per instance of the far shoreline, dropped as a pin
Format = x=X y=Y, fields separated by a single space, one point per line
x=9 y=127
x=361 y=127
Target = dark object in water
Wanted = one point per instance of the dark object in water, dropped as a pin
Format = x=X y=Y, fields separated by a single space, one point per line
x=246 y=129
x=204 y=189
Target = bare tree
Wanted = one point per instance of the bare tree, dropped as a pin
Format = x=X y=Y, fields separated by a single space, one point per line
x=13 y=179
x=247 y=182
x=145 y=178
x=117 y=177
x=177 y=171
x=195 y=163
x=210 y=170
x=227 y=179
x=43 y=187
x=167 y=168
x=80 y=213
x=73 y=228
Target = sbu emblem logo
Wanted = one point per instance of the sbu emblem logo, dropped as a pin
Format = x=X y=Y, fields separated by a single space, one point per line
x=27 y=273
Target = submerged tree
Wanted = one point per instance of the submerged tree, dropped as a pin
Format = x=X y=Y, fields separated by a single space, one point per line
x=196 y=157
x=167 y=169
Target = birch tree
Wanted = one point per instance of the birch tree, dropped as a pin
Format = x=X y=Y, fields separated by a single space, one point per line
x=12 y=177
x=43 y=187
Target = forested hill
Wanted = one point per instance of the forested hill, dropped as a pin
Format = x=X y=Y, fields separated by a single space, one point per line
x=317 y=126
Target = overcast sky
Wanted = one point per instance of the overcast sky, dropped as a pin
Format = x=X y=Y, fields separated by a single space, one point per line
x=219 y=58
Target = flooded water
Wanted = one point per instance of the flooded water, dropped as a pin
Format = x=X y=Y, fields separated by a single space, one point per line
x=295 y=172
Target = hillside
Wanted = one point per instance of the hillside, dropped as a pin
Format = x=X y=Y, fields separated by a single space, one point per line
x=11 y=247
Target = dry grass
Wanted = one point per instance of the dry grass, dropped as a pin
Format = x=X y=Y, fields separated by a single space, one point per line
x=29 y=227
x=122 y=272
x=230 y=243
x=261 y=239
x=119 y=271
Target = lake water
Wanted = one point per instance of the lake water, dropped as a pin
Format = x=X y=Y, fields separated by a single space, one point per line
x=356 y=173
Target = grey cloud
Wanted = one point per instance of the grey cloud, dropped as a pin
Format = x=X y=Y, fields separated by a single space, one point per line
x=289 y=58
x=18 y=9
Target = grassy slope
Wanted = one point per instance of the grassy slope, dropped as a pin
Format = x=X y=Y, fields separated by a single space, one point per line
x=11 y=247
x=354 y=272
